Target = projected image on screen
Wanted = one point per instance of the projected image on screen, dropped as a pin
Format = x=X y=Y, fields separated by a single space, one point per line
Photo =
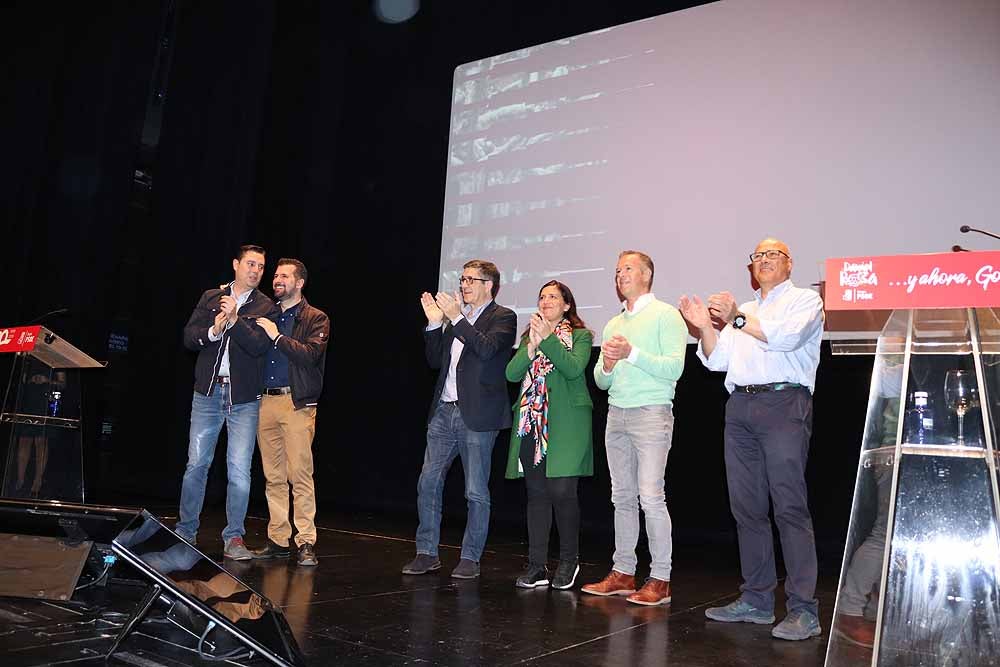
x=841 y=128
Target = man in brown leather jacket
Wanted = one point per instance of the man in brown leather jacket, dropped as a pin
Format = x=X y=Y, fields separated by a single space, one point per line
x=293 y=381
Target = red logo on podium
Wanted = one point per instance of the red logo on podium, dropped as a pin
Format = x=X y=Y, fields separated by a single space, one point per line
x=937 y=280
x=19 y=339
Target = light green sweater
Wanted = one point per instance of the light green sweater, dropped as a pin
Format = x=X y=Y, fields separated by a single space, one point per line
x=659 y=333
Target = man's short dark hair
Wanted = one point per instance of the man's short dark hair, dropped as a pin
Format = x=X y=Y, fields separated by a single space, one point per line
x=489 y=271
x=244 y=249
x=644 y=259
x=300 y=268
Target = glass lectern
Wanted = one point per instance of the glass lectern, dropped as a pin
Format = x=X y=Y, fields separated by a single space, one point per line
x=42 y=409
x=919 y=583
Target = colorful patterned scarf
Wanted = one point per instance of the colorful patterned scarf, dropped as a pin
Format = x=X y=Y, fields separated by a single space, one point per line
x=533 y=416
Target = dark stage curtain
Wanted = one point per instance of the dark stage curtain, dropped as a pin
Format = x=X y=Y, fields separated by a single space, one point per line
x=313 y=130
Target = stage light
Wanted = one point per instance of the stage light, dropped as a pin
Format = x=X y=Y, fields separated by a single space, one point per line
x=395 y=11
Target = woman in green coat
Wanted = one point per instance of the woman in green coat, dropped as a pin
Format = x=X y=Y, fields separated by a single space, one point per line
x=551 y=442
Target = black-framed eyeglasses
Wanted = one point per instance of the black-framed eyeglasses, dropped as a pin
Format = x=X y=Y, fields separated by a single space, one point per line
x=468 y=280
x=770 y=254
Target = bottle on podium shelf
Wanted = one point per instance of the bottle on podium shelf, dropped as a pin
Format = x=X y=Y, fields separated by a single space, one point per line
x=54 y=398
x=919 y=420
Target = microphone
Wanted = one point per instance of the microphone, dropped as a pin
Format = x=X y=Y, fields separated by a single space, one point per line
x=958 y=248
x=57 y=311
x=965 y=229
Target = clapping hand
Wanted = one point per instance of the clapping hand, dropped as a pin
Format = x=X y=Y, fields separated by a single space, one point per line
x=536 y=333
x=617 y=347
x=722 y=307
x=450 y=305
x=695 y=312
x=220 y=323
x=431 y=310
x=614 y=350
x=228 y=306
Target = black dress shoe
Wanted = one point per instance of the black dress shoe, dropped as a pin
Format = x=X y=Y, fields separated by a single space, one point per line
x=307 y=555
x=272 y=550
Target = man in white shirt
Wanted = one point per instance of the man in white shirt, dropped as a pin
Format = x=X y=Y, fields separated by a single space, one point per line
x=769 y=348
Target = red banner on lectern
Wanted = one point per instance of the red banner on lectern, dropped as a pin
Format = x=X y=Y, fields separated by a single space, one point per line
x=19 y=339
x=937 y=280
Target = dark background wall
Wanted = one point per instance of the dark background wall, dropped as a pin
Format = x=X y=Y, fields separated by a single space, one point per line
x=143 y=142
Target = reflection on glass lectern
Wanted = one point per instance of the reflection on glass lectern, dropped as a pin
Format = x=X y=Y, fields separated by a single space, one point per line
x=920 y=583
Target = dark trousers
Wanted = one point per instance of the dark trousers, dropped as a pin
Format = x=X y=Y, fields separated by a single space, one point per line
x=767 y=445
x=545 y=495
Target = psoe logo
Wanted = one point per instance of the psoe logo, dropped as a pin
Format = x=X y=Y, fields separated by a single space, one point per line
x=856 y=274
x=4 y=336
x=848 y=295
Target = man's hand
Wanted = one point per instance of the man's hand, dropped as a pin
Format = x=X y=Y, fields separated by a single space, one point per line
x=431 y=310
x=449 y=304
x=220 y=323
x=619 y=346
x=269 y=327
x=610 y=357
x=722 y=306
x=229 y=307
x=614 y=350
x=695 y=312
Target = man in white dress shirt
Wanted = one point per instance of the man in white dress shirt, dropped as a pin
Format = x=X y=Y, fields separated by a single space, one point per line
x=769 y=349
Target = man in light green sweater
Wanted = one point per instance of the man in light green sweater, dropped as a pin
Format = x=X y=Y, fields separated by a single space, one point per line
x=640 y=362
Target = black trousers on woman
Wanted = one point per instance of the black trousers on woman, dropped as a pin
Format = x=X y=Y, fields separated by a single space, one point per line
x=545 y=496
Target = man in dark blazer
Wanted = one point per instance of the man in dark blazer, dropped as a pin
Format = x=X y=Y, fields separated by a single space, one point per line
x=471 y=345
x=222 y=329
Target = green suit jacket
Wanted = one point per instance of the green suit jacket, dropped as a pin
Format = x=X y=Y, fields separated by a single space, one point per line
x=571 y=433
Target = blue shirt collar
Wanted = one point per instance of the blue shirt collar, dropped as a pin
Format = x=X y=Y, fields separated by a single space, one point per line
x=473 y=315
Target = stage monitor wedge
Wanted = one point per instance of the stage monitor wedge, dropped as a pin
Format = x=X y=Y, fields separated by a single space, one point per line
x=176 y=569
x=207 y=588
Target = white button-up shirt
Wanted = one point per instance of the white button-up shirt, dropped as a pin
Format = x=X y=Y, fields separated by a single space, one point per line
x=449 y=392
x=792 y=320
x=224 y=364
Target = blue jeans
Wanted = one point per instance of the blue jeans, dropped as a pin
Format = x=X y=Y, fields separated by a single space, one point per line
x=208 y=414
x=637 y=441
x=448 y=437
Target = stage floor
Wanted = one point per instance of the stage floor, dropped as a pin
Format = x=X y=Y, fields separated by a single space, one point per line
x=355 y=608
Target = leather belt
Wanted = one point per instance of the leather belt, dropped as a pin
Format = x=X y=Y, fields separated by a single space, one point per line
x=222 y=379
x=277 y=391
x=771 y=386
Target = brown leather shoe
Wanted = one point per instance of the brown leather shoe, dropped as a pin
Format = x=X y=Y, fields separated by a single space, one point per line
x=653 y=592
x=615 y=583
x=855 y=630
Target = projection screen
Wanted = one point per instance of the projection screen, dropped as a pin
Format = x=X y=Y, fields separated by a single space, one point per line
x=845 y=128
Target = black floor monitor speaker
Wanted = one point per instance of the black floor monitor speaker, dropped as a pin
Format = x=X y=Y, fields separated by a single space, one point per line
x=175 y=570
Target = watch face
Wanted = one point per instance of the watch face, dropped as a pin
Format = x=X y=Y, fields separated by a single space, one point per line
x=740 y=321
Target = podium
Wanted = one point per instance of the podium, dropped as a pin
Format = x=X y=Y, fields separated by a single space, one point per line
x=920 y=581
x=42 y=409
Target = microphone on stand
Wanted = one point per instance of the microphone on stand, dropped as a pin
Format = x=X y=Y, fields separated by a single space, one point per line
x=57 y=311
x=958 y=248
x=965 y=229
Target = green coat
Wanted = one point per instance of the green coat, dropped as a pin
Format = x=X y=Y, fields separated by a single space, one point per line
x=571 y=433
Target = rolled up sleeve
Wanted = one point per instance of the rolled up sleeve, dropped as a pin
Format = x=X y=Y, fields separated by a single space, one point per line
x=797 y=326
